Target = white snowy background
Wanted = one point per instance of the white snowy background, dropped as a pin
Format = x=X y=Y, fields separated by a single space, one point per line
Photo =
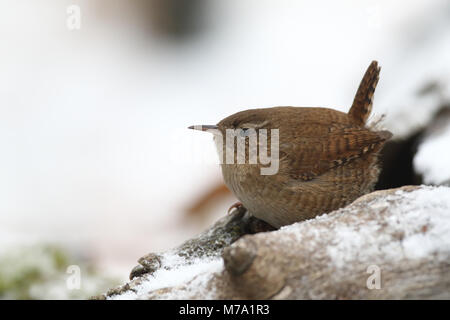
x=95 y=154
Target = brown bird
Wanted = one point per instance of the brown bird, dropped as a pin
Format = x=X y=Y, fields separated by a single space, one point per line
x=327 y=158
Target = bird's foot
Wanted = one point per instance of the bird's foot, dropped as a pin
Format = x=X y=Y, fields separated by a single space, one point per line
x=238 y=206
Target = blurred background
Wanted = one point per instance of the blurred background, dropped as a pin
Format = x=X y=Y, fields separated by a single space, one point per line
x=96 y=95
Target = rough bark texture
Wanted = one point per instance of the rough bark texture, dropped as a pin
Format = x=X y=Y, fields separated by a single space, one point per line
x=207 y=245
x=399 y=236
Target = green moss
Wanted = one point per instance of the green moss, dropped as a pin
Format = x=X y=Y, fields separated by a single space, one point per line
x=60 y=259
x=39 y=272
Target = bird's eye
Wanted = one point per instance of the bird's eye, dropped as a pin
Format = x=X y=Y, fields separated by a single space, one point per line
x=245 y=132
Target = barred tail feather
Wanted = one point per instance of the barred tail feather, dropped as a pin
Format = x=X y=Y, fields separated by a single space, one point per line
x=362 y=104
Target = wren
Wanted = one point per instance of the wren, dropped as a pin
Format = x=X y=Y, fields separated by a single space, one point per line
x=326 y=158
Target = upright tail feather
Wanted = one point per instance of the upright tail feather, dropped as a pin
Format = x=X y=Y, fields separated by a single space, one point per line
x=362 y=104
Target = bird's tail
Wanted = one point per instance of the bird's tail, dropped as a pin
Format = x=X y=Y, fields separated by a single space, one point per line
x=362 y=104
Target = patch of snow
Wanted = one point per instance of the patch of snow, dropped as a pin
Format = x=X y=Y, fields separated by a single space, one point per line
x=421 y=218
x=417 y=226
x=433 y=158
x=127 y=295
x=200 y=269
x=419 y=63
x=200 y=283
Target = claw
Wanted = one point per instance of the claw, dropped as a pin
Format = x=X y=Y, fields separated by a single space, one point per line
x=236 y=205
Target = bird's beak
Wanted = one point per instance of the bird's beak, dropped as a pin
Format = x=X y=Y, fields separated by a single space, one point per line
x=204 y=127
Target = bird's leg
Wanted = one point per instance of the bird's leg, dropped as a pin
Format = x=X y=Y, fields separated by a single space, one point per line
x=238 y=205
x=254 y=225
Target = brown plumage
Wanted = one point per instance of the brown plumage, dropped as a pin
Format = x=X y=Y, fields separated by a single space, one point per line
x=327 y=158
x=362 y=104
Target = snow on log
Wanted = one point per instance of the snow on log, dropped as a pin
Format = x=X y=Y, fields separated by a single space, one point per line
x=390 y=244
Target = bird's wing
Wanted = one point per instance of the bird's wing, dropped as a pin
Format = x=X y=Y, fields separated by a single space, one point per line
x=308 y=157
